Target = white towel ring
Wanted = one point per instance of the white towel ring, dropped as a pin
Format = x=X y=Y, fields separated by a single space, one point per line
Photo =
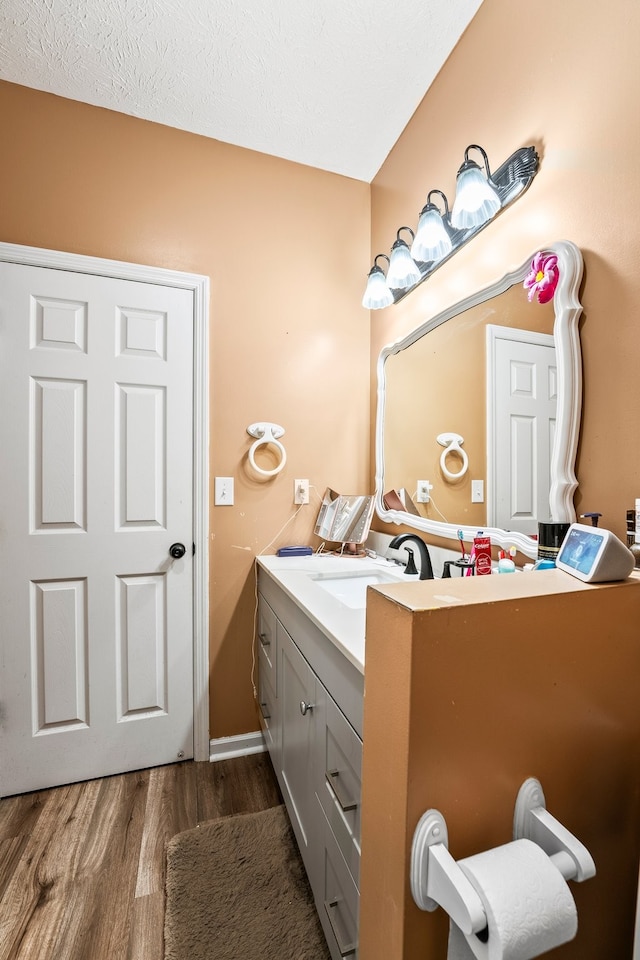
x=451 y=443
x=266 y=433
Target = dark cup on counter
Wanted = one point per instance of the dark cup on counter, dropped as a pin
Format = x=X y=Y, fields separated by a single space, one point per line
x=550 y=537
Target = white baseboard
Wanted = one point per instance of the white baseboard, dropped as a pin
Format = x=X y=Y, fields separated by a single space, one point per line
x=226 y=748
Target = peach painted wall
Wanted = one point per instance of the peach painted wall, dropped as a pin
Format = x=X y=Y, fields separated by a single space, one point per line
x=563 y=77
x=287 y=251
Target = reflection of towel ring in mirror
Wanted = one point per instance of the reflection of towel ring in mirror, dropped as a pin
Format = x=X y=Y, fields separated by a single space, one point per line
x=266 y=433
x=451 y=443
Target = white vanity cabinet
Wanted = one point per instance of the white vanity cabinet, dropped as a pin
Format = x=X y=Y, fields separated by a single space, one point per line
x=315 y=742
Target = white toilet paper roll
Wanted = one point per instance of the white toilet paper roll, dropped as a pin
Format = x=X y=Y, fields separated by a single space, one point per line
x=528 y=904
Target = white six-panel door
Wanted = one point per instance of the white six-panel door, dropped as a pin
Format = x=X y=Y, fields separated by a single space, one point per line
x=522 y=402
x=96 y=485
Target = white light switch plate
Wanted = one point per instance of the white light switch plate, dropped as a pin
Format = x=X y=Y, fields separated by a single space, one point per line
x=423 y=491
x=477 y=491
x=301 y=491
x=223 y=492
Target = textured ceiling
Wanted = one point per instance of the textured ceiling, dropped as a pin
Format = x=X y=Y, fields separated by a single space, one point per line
x=329 y=83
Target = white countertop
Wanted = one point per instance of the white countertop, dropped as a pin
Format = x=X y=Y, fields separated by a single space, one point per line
x=342 y=624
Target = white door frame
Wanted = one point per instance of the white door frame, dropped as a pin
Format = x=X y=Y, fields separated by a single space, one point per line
x=199 y=285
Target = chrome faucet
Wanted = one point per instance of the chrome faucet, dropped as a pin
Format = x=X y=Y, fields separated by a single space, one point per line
x=426 y=570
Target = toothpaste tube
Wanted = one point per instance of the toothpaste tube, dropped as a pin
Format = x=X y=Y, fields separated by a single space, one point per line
x=482 y=554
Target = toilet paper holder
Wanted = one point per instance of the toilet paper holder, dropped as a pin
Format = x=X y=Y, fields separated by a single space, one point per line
x=437 y=880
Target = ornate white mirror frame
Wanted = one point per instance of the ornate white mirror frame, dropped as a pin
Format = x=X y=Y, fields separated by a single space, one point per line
x=567 y=310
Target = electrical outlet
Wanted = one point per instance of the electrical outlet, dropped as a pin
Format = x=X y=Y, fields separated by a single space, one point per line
x=301 y=491
x=223 y=492
x=424 y=488
x=477 y=491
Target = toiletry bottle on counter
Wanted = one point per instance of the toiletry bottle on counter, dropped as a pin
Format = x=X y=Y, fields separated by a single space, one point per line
x=550 y=537
x=482 y=554
x=631 y=528
x=634 y=542
x=506 y=561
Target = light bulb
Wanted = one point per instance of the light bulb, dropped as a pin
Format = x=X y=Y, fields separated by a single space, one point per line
x=377 y=294
x=476 y=200
x=402 y=272
x=432 y=241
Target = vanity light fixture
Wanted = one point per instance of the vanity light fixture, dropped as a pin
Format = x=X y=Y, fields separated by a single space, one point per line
x=476 y=199
x=480 y=197
x=432 y=240
x=403 y=272
x=377 y=294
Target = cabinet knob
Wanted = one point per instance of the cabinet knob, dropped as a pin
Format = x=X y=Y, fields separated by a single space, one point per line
x=264 y=640
x=305 y=707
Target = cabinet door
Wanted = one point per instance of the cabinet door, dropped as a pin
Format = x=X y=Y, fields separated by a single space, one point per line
x=296 y=692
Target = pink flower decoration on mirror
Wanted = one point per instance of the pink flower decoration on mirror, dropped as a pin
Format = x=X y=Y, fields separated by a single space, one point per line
x=542 y=279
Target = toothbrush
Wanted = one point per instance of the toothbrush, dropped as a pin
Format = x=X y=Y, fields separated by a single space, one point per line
x=460 y=538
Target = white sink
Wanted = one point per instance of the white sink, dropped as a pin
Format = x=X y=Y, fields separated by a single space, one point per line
x=351 y=588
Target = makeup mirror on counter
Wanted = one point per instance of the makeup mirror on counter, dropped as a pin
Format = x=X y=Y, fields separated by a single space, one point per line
x=503 y=374
x=343 y=518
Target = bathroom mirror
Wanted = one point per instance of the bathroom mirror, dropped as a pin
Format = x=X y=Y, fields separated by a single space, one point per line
x=464 y=372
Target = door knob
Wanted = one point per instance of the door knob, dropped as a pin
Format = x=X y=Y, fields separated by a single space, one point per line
x=177 y=550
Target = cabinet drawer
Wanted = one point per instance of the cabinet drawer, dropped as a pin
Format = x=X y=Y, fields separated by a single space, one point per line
x=267 y=653
x=339 y=766
x=268 y=707
x=341 y=900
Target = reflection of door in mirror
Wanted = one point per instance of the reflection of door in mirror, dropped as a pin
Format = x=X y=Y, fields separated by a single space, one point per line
x=522 y=397
x=439 y=384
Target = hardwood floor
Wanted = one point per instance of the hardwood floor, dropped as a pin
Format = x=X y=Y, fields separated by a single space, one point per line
x=82 y=867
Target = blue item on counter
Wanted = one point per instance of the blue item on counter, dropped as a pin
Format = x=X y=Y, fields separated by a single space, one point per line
x=294 y=552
